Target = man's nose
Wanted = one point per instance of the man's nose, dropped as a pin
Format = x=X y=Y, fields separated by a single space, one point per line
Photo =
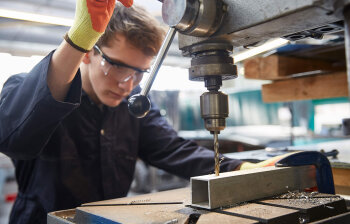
x=127 y=85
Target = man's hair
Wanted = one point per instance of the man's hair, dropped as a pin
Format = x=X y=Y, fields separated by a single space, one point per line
x=140 y=29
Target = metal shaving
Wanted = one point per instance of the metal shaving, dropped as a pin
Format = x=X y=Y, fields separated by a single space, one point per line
x=172 y=221
x=302 y=197
x=140 y=201
x=221 y=159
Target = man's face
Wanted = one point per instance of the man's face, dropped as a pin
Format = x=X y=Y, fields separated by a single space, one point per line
x=110 y=84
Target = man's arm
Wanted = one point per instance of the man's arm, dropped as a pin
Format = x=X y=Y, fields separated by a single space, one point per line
x=28 y=112
x=62 y=69
x=33 y=105
x=163 y=148
x=91 y=19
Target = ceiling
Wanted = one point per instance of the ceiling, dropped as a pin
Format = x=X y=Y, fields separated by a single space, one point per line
x=24 y=38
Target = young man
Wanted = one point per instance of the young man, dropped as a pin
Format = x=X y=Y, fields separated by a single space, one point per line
x=68 y=130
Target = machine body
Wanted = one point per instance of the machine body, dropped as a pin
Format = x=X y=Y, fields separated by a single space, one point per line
x=210 y=29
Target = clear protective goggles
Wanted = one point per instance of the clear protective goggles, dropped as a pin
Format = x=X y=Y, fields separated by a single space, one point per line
x=126 y=72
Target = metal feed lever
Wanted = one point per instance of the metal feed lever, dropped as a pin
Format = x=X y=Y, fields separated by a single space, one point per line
x=139 y=104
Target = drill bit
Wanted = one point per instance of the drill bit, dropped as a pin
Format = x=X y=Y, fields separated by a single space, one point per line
x=216 y=157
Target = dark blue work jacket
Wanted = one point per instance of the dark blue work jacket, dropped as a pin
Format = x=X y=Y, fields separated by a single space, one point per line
x=73 y=152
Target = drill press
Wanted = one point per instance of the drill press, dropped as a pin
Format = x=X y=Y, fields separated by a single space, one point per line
x=210 y=29
x=211 y=61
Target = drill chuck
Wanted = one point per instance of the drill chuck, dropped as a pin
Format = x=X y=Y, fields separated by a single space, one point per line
x=214 y=110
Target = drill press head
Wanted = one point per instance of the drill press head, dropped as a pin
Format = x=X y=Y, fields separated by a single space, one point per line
x=211 y=61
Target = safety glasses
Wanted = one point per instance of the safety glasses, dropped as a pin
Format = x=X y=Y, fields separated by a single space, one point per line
x=123 y=71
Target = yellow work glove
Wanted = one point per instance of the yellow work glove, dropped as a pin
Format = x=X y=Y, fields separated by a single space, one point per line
x=268 y=162
x=91 y=20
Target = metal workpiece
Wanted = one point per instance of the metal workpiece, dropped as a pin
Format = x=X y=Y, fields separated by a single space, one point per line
x=212 y=191
x=214 y=110
x=194 y=17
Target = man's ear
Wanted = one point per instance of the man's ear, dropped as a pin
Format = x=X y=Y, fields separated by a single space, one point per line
x=86 y=59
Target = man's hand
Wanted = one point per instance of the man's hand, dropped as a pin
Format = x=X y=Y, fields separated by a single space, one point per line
x=265 y=163
x=91 y=20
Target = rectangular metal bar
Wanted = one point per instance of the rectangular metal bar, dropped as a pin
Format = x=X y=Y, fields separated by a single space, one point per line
x=212 y=191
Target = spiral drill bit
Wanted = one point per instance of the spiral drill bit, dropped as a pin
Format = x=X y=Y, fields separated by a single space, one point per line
x=216 y=157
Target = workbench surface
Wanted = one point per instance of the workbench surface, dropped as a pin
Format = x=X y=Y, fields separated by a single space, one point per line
x=288 y=208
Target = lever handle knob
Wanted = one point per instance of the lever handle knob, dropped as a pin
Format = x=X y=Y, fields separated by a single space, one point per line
x=139 y=105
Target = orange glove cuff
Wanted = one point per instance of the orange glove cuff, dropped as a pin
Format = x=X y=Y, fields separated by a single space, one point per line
x=127 y=3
